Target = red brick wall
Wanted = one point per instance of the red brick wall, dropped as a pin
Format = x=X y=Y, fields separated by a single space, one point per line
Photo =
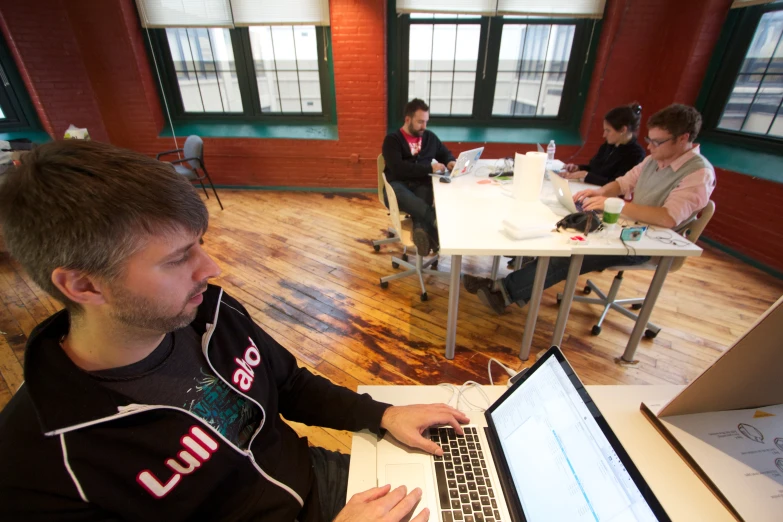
x=117 y=63
x=84 y=62
x=747 y=217
x=50 y=62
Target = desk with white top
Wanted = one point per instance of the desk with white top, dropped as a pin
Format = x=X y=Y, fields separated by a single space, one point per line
x=679 y=490
x=470 y=216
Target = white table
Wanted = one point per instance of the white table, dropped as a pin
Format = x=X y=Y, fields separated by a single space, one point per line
x=470 y=219
x=470 y=216
x=679 y=490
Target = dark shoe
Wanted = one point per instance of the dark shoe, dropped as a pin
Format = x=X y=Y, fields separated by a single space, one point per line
x=422 y=241
x=492 y=299
x=473 y=284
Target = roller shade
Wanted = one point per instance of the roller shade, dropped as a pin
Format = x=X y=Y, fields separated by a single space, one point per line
x=484 y=7
x=185 y=13
x=570 y=8
x=277 y=12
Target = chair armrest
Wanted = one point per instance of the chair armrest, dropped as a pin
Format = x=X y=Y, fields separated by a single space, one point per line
x=183 y=160
x=167 y=152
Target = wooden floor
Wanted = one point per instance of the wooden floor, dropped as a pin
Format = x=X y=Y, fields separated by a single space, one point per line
x=303 y=265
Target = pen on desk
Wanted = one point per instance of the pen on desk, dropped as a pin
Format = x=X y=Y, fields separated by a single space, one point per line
x=589 y=222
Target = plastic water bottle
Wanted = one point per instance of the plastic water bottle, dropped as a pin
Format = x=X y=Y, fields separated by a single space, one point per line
x=550 y=151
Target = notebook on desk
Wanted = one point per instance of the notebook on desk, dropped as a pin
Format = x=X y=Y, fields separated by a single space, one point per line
x=541 y=452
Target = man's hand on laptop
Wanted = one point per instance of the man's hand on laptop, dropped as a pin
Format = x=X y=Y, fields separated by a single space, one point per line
x=451 y=165
x=382 y=505
x=438 y=167
x=587 y=193
x=407 y=423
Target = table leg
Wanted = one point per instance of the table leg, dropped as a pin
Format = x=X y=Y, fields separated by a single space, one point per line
x=451 y=321
x=494 y=272
x=568 y=297
x=532 y=307
x=644 y=314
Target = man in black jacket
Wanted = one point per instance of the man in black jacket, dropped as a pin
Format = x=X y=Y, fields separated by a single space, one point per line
x=411 y=154
x=154 y=395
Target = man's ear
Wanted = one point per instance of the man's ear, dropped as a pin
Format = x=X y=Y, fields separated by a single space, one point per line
x=685 y=138
x=78 y=287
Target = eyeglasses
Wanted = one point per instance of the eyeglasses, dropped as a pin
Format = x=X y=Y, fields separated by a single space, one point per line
x=657 y=143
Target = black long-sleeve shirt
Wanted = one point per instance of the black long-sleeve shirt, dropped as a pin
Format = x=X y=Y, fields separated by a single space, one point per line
x=401 y=165
x=612 y=161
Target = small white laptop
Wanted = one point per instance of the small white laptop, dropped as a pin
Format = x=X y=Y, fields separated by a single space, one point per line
x=542 y=452
x=563 y=193
x=465 y=163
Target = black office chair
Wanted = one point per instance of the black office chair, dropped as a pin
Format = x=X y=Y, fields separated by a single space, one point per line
x=193 y=160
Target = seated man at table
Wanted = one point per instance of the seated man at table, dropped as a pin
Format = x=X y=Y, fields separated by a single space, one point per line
x=411 y=154
x=671 y=184
x=154 y=395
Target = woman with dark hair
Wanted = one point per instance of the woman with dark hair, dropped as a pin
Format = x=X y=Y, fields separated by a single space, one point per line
x=618 y=155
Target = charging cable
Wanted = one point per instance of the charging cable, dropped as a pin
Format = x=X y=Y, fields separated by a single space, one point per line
x=509 y=371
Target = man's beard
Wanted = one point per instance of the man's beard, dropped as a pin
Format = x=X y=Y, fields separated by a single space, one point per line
x=139 y=312
x=414 y=133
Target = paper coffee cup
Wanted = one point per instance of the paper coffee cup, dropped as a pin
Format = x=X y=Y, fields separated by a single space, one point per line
x=612 y=209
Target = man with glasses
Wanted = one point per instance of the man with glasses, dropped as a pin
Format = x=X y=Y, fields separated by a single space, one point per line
x=671 y=184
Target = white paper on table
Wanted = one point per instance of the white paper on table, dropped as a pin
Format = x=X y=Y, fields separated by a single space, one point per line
x=741 y=451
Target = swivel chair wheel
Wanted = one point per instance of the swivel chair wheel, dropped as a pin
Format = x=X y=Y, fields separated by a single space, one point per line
x=395 y=265
x=377 y=248
x=637 y=306
x=650 y=334
x=424 y=296
x=434 y=265
x=384 y=284
x=559 y=299
x=390 y=235
x=587 y=290
x=405 y=257
x=596 y=330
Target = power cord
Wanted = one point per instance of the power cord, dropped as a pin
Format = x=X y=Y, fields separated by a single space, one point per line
x=509 y=371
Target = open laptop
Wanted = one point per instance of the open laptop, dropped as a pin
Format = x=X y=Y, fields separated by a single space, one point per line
x=465 y=163
x=542 y=452
x=563 y=193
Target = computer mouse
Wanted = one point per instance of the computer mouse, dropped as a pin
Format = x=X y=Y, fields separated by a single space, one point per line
x=445 y=179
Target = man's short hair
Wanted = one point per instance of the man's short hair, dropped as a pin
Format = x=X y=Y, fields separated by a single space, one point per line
x=88 y=206
x=677 y=119
x=415 y=105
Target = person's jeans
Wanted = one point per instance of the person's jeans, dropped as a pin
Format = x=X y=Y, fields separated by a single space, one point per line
x=331 y=477
x=416 y=198
x=519 y=285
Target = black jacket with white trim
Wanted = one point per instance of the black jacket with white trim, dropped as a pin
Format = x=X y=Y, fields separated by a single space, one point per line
x=71 y=449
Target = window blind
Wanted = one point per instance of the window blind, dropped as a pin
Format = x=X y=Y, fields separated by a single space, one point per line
x=185 y=13
x=484 y=7
x=570 y=8
x=276 y=12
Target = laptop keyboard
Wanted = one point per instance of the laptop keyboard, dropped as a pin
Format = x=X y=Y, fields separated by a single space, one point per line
x=465 y=491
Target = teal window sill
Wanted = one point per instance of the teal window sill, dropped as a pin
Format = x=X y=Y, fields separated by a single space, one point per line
x=745 y=161
x=214 y=129
x=505 y=135
x=34 y=136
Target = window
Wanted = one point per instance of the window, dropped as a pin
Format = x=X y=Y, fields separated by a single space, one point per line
x=257 y=72
x=16 y=110
x=475 y=69
x=744 y=95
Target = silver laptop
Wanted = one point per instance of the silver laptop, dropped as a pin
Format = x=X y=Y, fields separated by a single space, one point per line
x=542 y=452
x=465 y=163
x=563 y=193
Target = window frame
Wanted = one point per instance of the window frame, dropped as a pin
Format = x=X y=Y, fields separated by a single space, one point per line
x=20 y=115
x=737 y=35
x=158 y=46
x=484 y=90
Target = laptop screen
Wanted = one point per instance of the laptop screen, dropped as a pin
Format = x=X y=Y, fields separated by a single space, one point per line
x=557 y=456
